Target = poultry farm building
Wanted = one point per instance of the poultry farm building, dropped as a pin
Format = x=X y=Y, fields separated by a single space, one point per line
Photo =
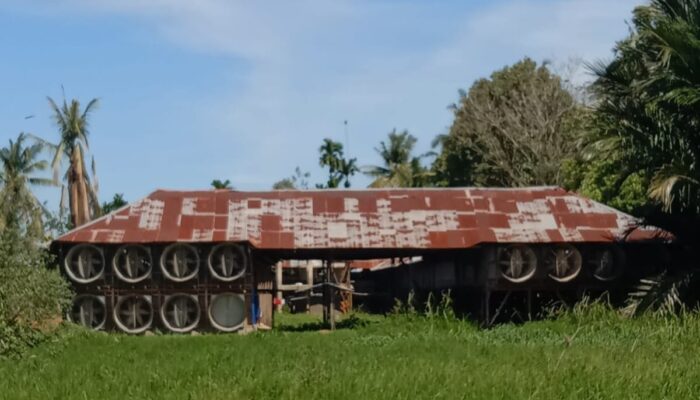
x=185 y=260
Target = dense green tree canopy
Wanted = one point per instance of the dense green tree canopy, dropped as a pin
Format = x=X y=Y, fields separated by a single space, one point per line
x=514 y=129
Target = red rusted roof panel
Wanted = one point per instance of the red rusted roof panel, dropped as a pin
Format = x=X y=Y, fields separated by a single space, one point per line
x=370 y=219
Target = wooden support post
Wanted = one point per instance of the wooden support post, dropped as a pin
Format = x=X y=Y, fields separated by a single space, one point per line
x=331 y=295
x=500 y=308
x=310 y=282
x=529 y=304
x=487 y=306
x=326 y=296
x=278 y=284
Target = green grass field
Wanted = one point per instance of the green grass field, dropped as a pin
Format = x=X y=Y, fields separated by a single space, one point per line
x=589 y=355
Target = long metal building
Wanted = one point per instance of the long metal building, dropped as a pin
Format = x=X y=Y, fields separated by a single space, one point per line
x=185 y=260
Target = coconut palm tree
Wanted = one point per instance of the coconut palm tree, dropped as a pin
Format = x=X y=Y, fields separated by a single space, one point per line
x=73 y=124
x=400 y=168
x=19 y=209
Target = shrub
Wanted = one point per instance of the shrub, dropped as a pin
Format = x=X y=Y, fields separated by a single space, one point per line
x=32 y=296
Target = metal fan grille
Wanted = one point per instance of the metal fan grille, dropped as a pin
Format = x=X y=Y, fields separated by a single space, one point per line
x=132 y=263
x=84 y=264
x=607 y=264
x=227 y=262
x=180 y=262
x=564 y=263
x=180 y=313
x=89 y=311
x=517 y=263
x=133 y=314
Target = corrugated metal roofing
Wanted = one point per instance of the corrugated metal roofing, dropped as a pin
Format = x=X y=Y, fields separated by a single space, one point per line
x=369 y=219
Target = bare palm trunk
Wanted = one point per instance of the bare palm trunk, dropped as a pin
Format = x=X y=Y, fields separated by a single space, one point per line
x=80 y=211
x=73 y=196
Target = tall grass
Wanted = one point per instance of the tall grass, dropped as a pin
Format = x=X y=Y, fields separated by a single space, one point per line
x=590 y=351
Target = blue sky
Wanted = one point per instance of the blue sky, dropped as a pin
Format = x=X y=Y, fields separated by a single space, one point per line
x=241 y=90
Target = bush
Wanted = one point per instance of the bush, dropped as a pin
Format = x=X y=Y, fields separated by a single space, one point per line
x=32 y=296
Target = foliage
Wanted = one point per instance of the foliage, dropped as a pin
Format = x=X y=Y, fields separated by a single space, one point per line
x=400 y=168
x=300 y=180
x=514 y=129
x=434 y=307
x=55 y=224
x=31 y=296
x=585 y=353
x=601 y=179
x=219 y=184
x=648 y=103
x=647 y=116
x=116 y=203
x=73 y=124
x=19 y=209
x=340 y=169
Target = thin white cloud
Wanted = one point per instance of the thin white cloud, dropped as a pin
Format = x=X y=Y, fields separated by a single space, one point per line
x=312 y=64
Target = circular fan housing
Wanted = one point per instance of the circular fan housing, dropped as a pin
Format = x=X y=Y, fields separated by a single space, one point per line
x=132 y=263
x=133 y=314
x=89 y=311
x=180 y=262
x=227 y=262
x=517 y=263
x=607 y=263
x=563 y=262
x=180 y=313
x=227 y=312
x=84 y=263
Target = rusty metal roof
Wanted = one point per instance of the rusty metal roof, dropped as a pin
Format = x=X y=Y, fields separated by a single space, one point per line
x=369 y=219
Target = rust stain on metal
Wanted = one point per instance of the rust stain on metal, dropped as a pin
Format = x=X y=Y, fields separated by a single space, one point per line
x=380 y=219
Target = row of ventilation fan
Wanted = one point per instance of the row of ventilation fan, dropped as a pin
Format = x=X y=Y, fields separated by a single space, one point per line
x=563 y=262
x=131 y=263
x=178 y=313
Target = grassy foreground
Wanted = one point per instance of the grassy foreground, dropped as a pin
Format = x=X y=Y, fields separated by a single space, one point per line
x=586 y=355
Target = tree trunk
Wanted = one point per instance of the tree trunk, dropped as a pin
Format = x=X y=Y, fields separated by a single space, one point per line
x=73 y=196
x=80 y=211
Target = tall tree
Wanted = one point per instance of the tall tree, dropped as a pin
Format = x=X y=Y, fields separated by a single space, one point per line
x=400 y=168
x=19 y=209
x=340 y=169
x=73 y=124
x=514 y=129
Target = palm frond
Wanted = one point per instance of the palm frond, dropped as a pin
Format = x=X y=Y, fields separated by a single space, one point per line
x=666 y=293
x=674 y=190
x=42 y=182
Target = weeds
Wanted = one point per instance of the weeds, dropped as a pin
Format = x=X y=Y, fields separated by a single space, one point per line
x=589 y=351
x=433 y=308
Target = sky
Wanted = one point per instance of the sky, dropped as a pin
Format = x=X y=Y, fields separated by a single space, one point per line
x=192 y=91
